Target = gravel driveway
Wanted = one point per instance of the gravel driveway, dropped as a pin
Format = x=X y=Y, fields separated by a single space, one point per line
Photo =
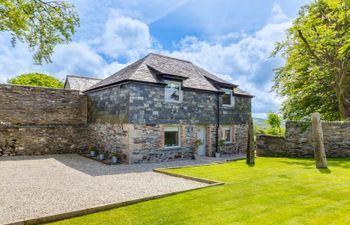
x=39 y=186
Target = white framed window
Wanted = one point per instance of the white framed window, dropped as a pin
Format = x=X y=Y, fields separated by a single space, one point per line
x=172 y=137
x=227 y=97
x=173 y=92
x=227 y=134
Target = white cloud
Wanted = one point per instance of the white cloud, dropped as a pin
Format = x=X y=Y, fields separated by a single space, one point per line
x=246 y=62
x=124 y=36
x=75 y=58
x=239 y=57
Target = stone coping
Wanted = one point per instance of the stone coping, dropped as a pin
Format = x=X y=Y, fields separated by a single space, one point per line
x=38 y=88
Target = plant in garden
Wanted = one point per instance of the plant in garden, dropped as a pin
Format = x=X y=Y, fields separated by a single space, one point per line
x=36 y=79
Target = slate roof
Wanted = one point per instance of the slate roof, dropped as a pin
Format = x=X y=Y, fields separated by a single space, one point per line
x=238 y=91
x=151 y=66
x=79 y=82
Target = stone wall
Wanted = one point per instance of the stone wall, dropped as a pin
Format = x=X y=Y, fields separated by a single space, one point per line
x=35 y=105
x=110 y=139
x=42 y=139
x=298 y=141
x=146 y=144
x=240 y=140
x=141 y=111
x=109 y=105
x=147 y=106
x=268 y=145
x=35 y=121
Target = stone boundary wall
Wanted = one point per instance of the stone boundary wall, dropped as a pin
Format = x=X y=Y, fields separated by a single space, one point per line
x=298 y=141
x=41 y=140
x=36 y=120
x=23 y=105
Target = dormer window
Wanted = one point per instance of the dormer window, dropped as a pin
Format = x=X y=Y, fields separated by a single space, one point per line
x=227 y=97
x=173 y=92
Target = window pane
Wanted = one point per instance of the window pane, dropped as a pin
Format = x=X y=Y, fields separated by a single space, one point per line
x=171 y=138
x=227 y=135
x=226 y=98
x=172 y=91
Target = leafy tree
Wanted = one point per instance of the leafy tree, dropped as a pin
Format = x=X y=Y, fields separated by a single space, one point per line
x=36 y=79
x=316 y=76
x=274 y=121
x=41 y=24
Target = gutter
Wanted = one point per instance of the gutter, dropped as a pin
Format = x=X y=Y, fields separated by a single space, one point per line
x=217 y=123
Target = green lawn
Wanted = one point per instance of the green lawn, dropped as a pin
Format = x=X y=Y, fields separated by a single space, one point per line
x=274 y=191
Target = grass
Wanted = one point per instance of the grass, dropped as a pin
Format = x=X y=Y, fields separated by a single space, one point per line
x=274 y=191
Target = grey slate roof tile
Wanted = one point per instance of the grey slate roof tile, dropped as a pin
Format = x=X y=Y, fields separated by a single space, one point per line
x=144 y=70
x=80 y=83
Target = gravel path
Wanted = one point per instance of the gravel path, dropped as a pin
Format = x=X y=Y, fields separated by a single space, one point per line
x=38 y=186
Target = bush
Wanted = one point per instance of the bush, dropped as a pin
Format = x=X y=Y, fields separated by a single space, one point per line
x=36 y=79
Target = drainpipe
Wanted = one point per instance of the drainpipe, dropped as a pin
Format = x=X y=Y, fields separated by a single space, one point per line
x=217 y=123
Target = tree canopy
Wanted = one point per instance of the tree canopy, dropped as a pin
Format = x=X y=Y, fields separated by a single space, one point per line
x=316 y=76
x=41 y=24
x=36 y=79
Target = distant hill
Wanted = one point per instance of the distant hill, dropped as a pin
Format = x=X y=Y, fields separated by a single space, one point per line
x=262 y=122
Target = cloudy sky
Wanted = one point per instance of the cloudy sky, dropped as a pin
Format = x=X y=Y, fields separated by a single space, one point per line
x=231 y=38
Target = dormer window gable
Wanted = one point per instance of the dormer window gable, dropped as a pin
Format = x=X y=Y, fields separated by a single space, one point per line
x=227 y=97
x=173 y=90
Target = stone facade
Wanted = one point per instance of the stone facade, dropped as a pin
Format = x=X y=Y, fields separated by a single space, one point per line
x=298 y=141
x=141 y=111
x=240 y=140
x=126 y=119
x=110 y=139
x=35 y=121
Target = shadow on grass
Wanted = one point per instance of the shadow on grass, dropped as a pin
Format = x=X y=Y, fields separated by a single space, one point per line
x=324 y=170
x=251 y=164
x=334 y=162
x=309 y=163
x=302 y=162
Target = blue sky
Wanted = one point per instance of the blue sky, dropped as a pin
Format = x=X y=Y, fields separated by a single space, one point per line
x=231 y=38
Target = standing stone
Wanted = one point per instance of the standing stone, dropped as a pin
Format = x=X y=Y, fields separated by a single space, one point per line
x=320 y=154
x=250 y=150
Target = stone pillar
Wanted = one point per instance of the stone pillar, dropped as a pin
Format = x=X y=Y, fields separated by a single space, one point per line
x=250 y=150
x=320 y=153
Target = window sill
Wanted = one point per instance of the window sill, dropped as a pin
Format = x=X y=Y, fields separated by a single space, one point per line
x=172 y=147
x=177 y=102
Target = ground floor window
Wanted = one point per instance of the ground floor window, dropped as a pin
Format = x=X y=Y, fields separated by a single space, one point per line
x=172 y=137
x=227 y=134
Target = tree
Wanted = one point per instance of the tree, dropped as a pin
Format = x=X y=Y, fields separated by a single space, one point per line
x=41 y=24
x=36 y=79
x=316 y=77
x=274 y=121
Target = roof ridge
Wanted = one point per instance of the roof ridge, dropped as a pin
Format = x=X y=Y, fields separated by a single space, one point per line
x=78 y=76
x=121 y=71
x=170 y=57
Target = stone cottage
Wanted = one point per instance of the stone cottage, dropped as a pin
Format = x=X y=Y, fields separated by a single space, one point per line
x=157 y=107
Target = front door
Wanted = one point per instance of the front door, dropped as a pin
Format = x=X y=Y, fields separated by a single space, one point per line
x=201 y=135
